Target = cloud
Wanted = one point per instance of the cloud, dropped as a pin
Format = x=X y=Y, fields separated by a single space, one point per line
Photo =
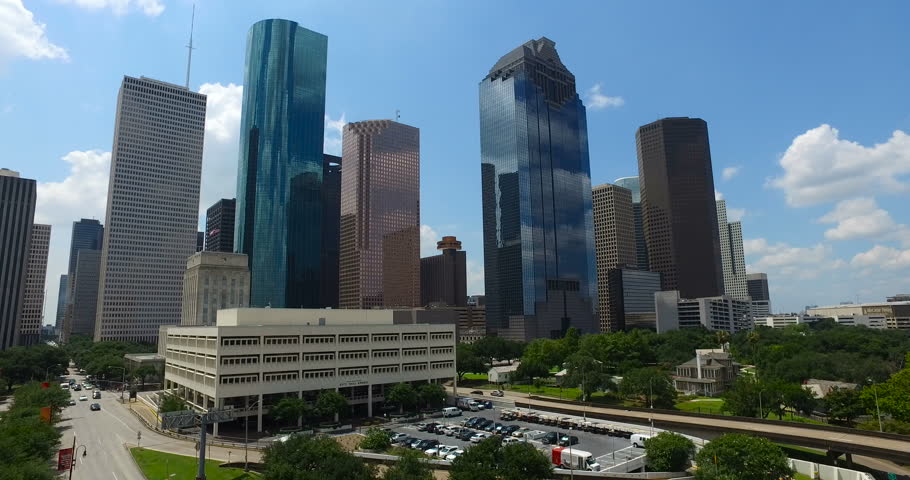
x=735 y=214
x=718 y=195
x=428 y=239
x=819 y=167
x=331 y=143
x=882 y=257
x=151 y=8
x=599 y=101
x=475 y=278
x=730 y=172
x=222 y=137
x=861 y=217
x=21 y=36
x=785 y=260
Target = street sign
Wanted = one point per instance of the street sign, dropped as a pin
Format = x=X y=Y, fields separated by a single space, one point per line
x=225 y=414
x=65 y=459
x=178 y=419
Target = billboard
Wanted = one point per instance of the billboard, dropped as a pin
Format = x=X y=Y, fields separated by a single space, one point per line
x=65 y=459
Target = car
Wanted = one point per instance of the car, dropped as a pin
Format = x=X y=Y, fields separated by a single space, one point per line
x=466 y=434
x=95 y=407
x=479 y=437
x=405 y=441
x=455 y=454
x=397 y=437
x=520 y=432
x=421 y=427
x=550 y=438
x=638 y=440
x=482 y=425
x=509 y=440
x=497 y=393
x=413 y=443
x=477 y=392
x=454 y=431
x=76 y=387
x=467 y=421
x=82 y=398
x=444 y=450
x=96 y=394
x=491 y=427
x=72 y=402
x=474 y=421
x=509 y=430
x=427 y=444
x=431 y=427
x=567 y=440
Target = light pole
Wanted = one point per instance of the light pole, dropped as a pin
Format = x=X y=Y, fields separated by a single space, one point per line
x=122 y=383
x=246 y=432
x=651 y=402
x=878 y=412
x=760 y=410
x=84 y=453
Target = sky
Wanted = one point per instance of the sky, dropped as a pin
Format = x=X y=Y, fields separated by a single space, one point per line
x=806 y=102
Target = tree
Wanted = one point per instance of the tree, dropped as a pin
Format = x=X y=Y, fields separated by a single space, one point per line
x=330 y=403
x=306 y=457
x=531 y=369
x=292 y=410
x=26 y=470
x=376 y=439
x=893 y=396
x=544 y=350
x=521 y=461
x=432 y=395
x=27 y=438
x=798 y=399
x=649 y=384
x=492 y=348
x=467 y=361
x=741 y=399
x=588 y=373
x=410 y=466
x=33 y=395
x=669 y=452
x=741 y=457
x=403 y=395
x=172 y=403
x=844 y=404
x=19 y=365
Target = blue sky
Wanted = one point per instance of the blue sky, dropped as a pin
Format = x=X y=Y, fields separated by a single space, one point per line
x=806 y=103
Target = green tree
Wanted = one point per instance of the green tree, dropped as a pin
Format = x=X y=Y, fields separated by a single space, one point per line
x=19 y=365
x=546 y=351
x=467 y=361
x=410 y=466
x=172 y=403
x=893 y=396
x=798 y=399
x=741 y=457
x=292 y=410
x=34 y=395
x=492 y=348
x=531 y=369
x=306 y=457
x=647 y=384
x=432 y=395
x=741 y=398
x=521 y=461
x=588 y=373
x=844 y=404
x=376 y=439
x=26 y=470
x=28 y=438
x=404 y=395
x=669 y=452
x=330 y=403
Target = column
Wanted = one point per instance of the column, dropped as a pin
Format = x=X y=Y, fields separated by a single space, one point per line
x=369 y=400
x=336 y=415
x=218 y=404
x=300 y=419
x=259 y=414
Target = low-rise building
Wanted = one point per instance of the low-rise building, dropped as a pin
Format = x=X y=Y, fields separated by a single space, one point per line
x=710 y=373
x=253 y=357
x=896 y=314
x=786 y=320
x=502 y=374
x=821 y=388
x=714 y=313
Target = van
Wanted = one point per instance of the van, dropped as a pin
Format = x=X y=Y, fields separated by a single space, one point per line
x=451 y=412
x=65 y=386
x=638 y=440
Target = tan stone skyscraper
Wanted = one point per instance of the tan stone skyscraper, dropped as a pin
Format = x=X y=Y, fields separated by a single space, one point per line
x=614 y=240
x=379 y=259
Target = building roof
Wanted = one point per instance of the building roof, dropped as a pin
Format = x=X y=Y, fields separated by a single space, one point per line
x=505 y=368
x=543 y=50
x=709 y=360
x=857 y=305
x=144 y=357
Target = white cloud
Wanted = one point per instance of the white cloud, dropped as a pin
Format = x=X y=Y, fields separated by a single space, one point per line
x=599 y=101
x=428 y=239
x=718 y=195
x=882 y=257
x=152 y=8
x=785 y=260
x=861 y=217
x=475 y=278
x=735 y=214
x=333 y=135
x=222 y=137
x=730 y=172
x=21 y=36
x=820 y=167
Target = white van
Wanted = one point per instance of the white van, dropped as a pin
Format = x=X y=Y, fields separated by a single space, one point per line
x=638 y=440
x=451 y=412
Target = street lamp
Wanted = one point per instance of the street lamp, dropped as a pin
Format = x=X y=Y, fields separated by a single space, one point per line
x=122 y=383
x=246 y=432
x=760 y=409
x=75 y=454
x=878 y=412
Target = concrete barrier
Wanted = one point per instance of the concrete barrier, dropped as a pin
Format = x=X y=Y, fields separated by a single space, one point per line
x=827 y=472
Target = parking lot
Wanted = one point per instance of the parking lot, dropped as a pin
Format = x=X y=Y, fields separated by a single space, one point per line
x=609 y=450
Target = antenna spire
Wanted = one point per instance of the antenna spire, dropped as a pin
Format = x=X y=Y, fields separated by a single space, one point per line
x=397 y=115
x=189 y=59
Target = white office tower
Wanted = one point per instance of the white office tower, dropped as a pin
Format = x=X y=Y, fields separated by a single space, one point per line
x=152 y=209
x=732 y=254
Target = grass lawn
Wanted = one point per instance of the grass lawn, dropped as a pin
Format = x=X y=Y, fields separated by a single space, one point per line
x=800 y=476
x=713 y=406
x=475 y=376
x=158 y=465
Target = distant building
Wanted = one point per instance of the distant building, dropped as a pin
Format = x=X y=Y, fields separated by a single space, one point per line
x=821 y=388
x=732 y=254
x=709 y=374
x=901 y=297
x=17 y=212
x=614 y=244
x=219 y=226
x=757 y=285
x=721 y=313
x=641 y=246
x=471 y=320
x=200 y=241
x=477 y=300
x=83 y=309
x=443 y=277
x=785 y=320
x=62 y=293
x=631 y=298
x=87 y=234
x=214 y=281
x=502 y=374
x=331 y=230
x=896 y=314
x=33 y=295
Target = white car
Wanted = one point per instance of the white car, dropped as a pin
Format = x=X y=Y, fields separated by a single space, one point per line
x=455 y=454
x=445 y=450
x=520 y=432
x=480 y=437
x=83 y=398
x=509 y=440
x=398 y=437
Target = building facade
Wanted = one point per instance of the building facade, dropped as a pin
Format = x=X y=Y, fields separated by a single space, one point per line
x=896 y=314
x=219 y=226
x=732 y=255
x=721 y=313
x=331 y=230
x=152 y=208
x=631 y=298
x=900 y=297
x=17 y=213
x=279 y=179
x=614 y=244
x=87 y=234
x=678 y=209
x=33 y=296
x=710 y=373
x=538 y=222
x=757 y=284
x=63 y=289
x=641 y=246
x=214 y=281
x=878 y=321
x=254 y=357
x=83 y=309
x=379 y=257
x=443 y=277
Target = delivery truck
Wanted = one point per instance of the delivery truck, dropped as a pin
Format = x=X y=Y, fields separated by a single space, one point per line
x=574 y=459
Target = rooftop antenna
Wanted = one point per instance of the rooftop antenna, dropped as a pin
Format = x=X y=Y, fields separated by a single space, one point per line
x=397 y=115
x=189 y=47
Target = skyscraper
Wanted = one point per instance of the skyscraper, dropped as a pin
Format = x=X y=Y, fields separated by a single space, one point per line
x=63 y=292
x=200 y=241
x=17 y=212
x=219 y=226
x=279 y=179
x=379 y=259
x=33 y=296
x=87 y=234
x=84 y=304
x=614 y=244
x=757 y=284
x=331 y=230
x=641 y=247
x=214 y=281
x=443 y=277
x=677 y=200
x=152 y=208
x=732 y=255
x=536 y=185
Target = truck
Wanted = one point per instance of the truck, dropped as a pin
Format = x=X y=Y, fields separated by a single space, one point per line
x=574 y=459
x=466 y=403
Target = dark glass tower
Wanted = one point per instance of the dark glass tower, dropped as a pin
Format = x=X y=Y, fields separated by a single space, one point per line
x=219 y=226
x=641 y=247
x=331 y=229
x=87 y=234
x=279 y=180
x=679 y=211
x=536 y=183
x=17 y=210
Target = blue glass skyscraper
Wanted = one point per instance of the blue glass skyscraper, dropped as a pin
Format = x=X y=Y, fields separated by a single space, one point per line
x=537 y=213
x=279 y=180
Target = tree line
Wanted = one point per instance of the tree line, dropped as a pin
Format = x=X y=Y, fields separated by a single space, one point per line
x=27 y=440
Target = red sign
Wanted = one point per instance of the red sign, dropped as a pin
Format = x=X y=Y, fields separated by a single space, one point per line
x=65 y=459
x=45 y=385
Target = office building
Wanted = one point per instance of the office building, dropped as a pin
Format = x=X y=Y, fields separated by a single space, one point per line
x=872 y=320
x=83 y=309
x=709 y=374
x=732 y=255
x=443 y=277
x=614 y=244
x=214 y=281
x=379 y=256
x=630 y=296
x=200 y=241
x=641 y=247
x=32 y=317
x=678 y=209
x=219 y=226
x=265 y=354
x=757 y=285
x=896 y=314
x=62 y=294
x=17 y=212
x=153 y=208
x=721 y=313
x=279 y=177
x=331 y=230
x=901 y=297
x=538 y=225
x=86 y=234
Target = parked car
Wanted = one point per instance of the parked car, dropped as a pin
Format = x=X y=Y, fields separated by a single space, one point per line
x=76 y=387
x=455 y=454
x=479 y=437
x=451 y=412
x=96 y=394
x=422 y=427
x=509 y=430
x=497 y=393
x=486 y=404
x=82 y=398
x=427 y=444
x=405 y=441
x=567 y=440
x=509 y=440
x=95 y=407
x=490 y=427
x=452 y=431
x=397 y=437
x=550 y=438
x=482 y=425
x=638 y=440
x=72 y=402
x=520 y=432
x=466 y=435
x=414 y=443
x=477 y=392
x=472 y=423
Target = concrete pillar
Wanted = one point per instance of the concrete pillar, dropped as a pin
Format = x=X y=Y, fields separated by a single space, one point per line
x=299 y=419
x=259 y=414
x=218 y=404
x=369 y=401
x=336 y=415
